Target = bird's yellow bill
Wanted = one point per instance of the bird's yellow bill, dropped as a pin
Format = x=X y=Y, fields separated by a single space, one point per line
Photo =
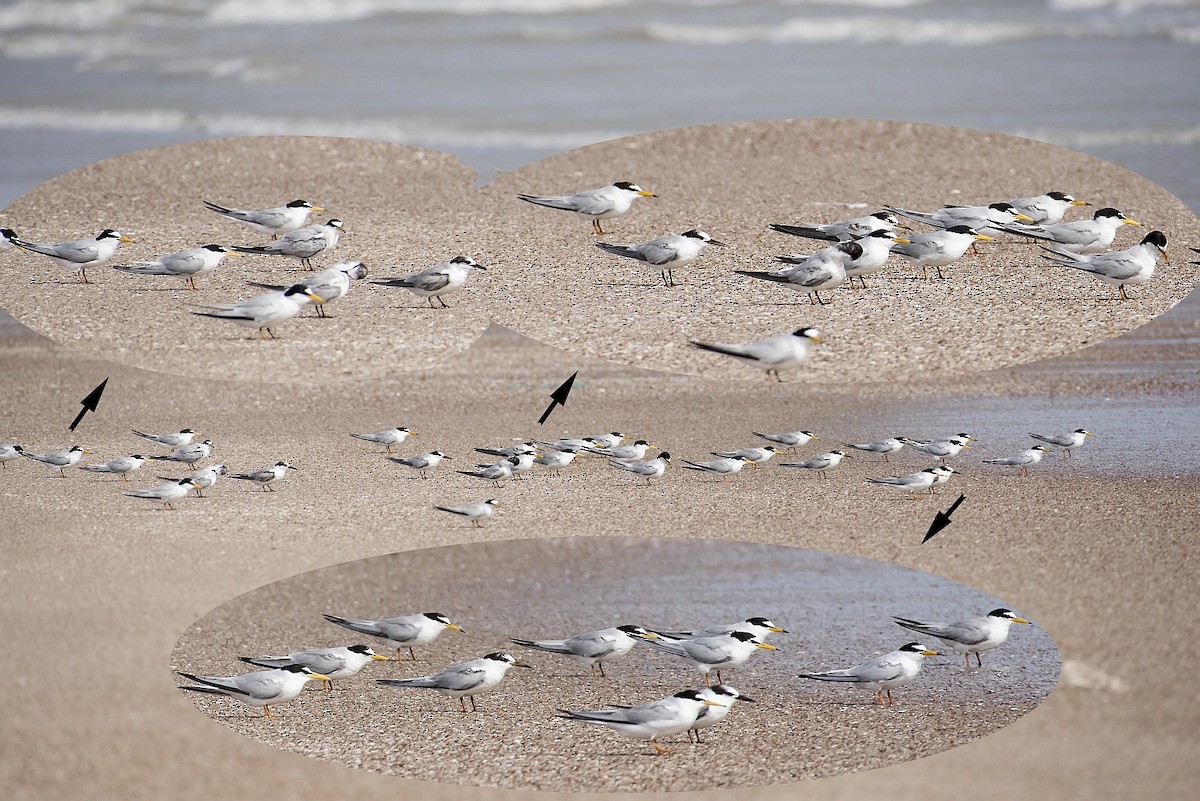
x=983 y=237
x=644 y=193
x=1021 y=620
x=768 y=646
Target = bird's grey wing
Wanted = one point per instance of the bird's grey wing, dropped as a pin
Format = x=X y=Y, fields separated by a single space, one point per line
x=885 y=668
x=658 y=252
x=79 y=252
x=564 y=202
x=594 y=644
x=429 y=281
x=368 y=627
x=622 y=250
x=928 y=219
x=461 y=677
x=1117 y=267
x=398 y=629
x=592 y=201
x=183 y=264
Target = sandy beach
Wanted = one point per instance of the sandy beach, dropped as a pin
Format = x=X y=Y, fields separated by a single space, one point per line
x=1101 y=558
x=406 y=209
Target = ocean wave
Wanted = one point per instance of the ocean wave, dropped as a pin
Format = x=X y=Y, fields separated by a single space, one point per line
x=1090 y=139
x=859 y=30
x=388 y=130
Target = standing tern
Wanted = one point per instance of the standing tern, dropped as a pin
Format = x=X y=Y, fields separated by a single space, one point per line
x=1084 y=237
x=466 y=679
x=789 y=439
x=121 y=466
x=304 y=244
x=407 y=631
x=721 y=466
x=265 y=311
x=422 y=462
x=978 y=218
x=188 y=453
x=845 y=230
x=723 y=697
x=883 y=447
x=825 y=269
x=388 y=438
x=268 y=475
x=273 y=221
x=968 y=637
x=624 y=453
x=58 y=459
x=79 y=254
x=437 y=281
x=495 y=472
x=771 y=354
x=186 y=264
x=593 y=648
x=876 y=247
x=939 y=248
x=667 y=252
x=649 y=469
x=264 y=688
x=178 y=439
x=821 y=463
x=716 y=653
x=882 y=673
x=474 y=512
x=652 y=720
x=1022 y=459
x=329 y=284
x=332 y=663
x=760 y=627
x=1130 y=267
x=529 y=446
x=203 y=478
x=914 y=483
x=753 y=456
x=10 y=452
x=943 y=448
x=555 y=459
x=1046 y=209
x=167 y=493
x=1067 y=442
x=594 y=204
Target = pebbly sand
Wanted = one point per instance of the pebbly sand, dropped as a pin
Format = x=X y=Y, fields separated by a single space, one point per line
x=1098 y=549
x=103 y=585
x=842 y=610
x=406 y=209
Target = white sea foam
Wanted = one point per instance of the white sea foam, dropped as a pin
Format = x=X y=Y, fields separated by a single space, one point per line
x=1092 y=139
x=391 y=130
x=859 y=30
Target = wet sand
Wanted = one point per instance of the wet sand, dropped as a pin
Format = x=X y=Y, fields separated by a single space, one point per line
x=839 y=607
x=406 y=209
x=100 y=586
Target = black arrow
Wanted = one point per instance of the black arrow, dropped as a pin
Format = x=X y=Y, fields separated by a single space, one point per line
x=89 y=403
x=942 y=519
x=558 y=397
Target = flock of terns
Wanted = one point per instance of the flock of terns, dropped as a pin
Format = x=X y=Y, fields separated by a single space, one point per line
x=862 y=246
x=708 y=650
x=552 y=457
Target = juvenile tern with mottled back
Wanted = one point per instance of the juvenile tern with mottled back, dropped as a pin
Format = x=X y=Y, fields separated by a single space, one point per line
x=771 y=354
x=465 y=679
x=667 y=252
x=437 y=281
x=882 y=673
x=304 y=244
x=594 y=204
x=268 y=475
x=421 y=462
x=649 y=469
x=825 y=269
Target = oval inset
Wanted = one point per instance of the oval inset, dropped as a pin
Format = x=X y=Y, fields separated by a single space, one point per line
x=837 y=611
x=1001 y=306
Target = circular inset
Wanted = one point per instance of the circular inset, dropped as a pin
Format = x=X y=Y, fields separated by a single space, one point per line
x=837 y=612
